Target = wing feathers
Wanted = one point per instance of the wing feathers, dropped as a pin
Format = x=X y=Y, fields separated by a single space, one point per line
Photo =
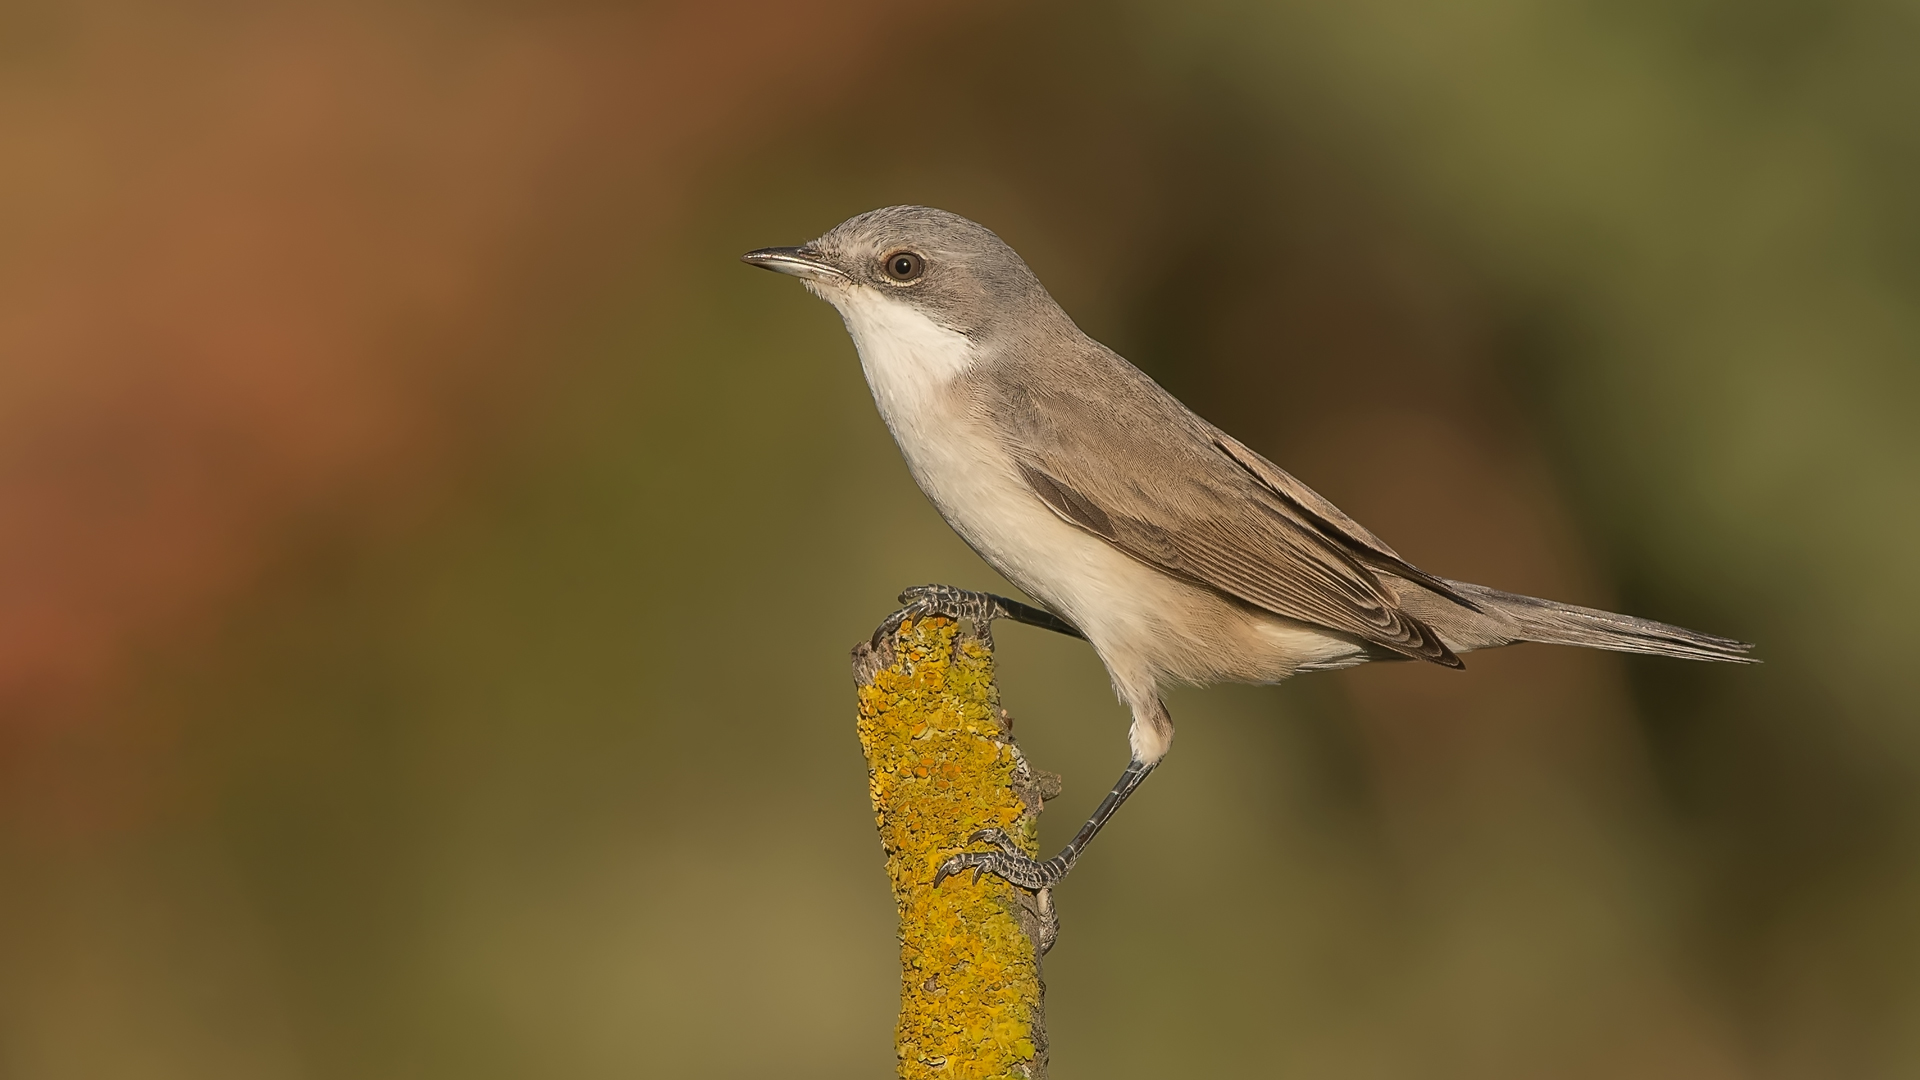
x=1068 y=503
x=1332 y=523
x=1282 y=564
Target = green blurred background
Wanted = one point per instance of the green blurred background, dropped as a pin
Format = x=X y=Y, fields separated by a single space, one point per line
x=428 y=559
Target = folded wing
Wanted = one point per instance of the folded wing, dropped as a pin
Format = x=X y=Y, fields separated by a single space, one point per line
x=1176 y=493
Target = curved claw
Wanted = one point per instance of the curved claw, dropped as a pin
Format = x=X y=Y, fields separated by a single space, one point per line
x=952 y=866
x=980 y=861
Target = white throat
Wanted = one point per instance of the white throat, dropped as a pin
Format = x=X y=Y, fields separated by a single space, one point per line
x=908 y=358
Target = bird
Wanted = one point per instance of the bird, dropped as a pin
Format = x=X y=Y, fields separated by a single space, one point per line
x=1177 y=552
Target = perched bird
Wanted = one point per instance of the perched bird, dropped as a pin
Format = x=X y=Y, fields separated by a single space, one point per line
x=1178 y=553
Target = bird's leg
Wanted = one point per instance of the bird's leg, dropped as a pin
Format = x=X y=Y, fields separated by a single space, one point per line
x=1009 y=862
x=979 y=608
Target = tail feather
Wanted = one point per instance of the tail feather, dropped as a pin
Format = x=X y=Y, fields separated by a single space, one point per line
x=1553 y=623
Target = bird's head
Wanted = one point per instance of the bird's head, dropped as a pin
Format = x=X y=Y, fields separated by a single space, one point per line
x=899 y=259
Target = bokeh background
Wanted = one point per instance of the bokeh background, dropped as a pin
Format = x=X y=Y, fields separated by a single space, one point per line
x=428 y=559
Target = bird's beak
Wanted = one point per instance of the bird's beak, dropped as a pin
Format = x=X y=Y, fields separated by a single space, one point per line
x=801 y=262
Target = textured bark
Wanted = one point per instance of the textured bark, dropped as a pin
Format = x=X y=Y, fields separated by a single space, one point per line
x=941 y=763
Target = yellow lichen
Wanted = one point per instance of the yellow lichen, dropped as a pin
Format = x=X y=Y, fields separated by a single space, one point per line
x=939 y=769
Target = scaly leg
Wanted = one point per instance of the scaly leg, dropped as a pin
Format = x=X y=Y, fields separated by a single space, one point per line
x=1009 y=862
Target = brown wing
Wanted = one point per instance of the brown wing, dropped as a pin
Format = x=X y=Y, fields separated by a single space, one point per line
x=1263 y=558
x=1328 y=519
x=1133 y=466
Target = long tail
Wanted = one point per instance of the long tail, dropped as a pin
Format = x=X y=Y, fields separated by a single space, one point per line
x=1553 y=623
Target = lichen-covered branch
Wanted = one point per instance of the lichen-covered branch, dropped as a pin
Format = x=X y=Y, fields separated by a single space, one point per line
x=942 y=764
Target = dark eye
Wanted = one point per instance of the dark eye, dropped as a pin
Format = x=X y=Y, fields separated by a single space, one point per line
x=905 y=266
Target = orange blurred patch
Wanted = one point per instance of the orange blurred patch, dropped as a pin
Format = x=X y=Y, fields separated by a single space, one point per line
x=255 y=260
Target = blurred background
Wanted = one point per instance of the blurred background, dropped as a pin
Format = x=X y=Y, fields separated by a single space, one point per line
x=428 y=559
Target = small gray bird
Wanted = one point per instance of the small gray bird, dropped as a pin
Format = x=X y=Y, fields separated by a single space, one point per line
x=1178 y=553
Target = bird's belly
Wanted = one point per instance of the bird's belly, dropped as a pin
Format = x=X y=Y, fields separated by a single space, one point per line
x=1148 y=626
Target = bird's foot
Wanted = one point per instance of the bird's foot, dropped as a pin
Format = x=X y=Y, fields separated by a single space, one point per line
x=1006 y=861
x=956 y=603
x=978 y=608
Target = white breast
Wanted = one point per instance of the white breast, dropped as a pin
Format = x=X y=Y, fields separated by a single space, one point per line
x=911 y=362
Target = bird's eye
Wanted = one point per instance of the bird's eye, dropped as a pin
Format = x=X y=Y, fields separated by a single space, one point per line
x=905 y=266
